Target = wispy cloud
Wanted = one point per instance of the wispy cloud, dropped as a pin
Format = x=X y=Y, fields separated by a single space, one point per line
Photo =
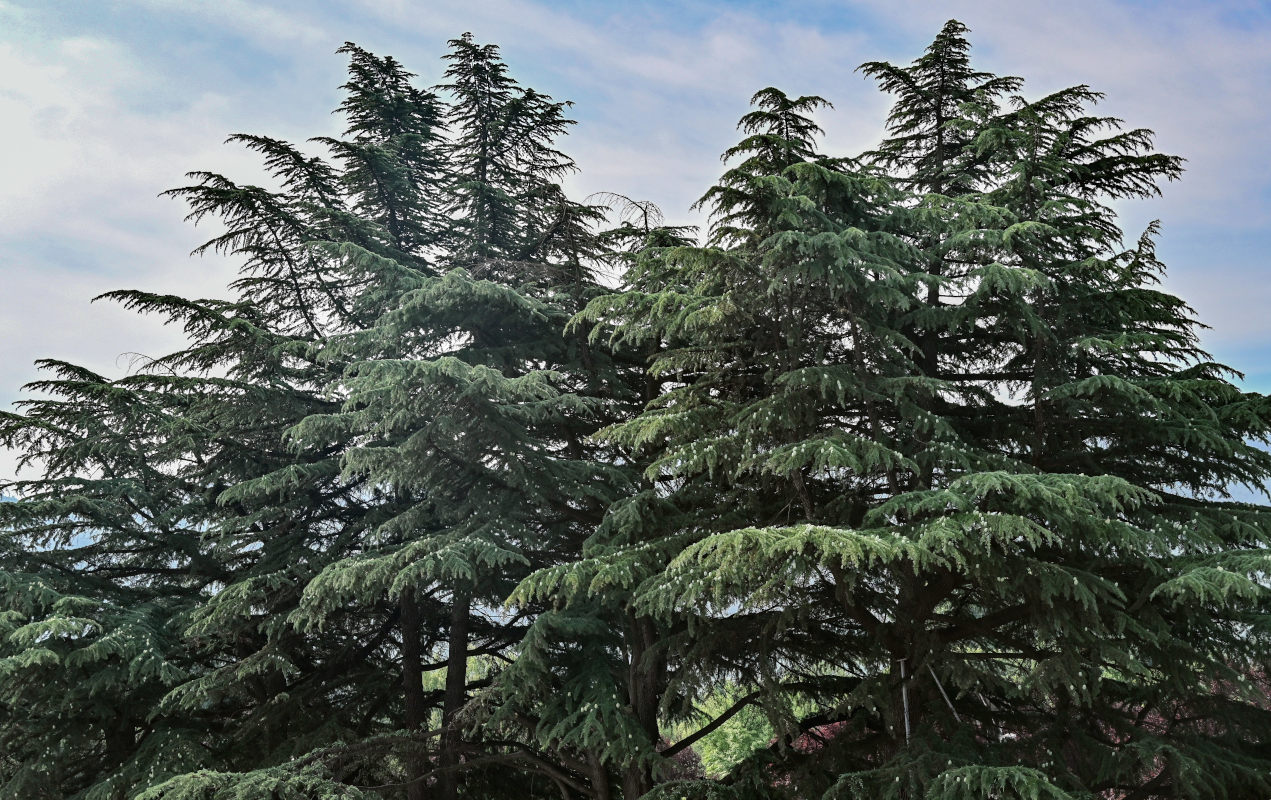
x=80 y=176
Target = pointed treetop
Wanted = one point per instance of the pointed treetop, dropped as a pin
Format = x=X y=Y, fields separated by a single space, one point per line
x=381 y=102
x=926 y=122
x=780 y=131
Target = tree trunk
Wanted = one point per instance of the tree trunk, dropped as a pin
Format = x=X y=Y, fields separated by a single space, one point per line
x=413 y=688
x=645 y=683
x=456 y=695
x=599 y=778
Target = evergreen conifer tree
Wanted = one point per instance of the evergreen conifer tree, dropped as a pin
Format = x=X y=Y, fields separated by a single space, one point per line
x=964 y=569
x=468 y=402
x=261 y=518
x=758 y=362
x=912 y=457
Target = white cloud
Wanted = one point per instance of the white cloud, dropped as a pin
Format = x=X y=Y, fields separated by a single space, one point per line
x=252 y=21
x=81 y=214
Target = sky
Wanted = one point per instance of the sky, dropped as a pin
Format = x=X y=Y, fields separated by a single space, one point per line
x=104 y=104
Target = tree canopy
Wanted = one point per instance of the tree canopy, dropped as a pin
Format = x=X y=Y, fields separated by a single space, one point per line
x=904 y=480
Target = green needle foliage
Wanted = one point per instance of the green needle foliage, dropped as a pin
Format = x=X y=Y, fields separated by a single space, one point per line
x=906 y=481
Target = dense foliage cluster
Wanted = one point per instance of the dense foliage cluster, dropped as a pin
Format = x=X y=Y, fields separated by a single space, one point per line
x=906 y=481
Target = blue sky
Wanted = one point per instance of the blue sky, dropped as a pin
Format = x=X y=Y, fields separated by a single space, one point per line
x=106 y=103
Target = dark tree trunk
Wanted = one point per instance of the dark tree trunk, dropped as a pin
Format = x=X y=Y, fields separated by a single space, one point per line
x=456 y=695
x=413 y=688
x=599 y=778
x=645 y=688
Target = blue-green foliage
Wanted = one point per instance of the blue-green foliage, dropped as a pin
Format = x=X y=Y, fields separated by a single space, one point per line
x=907 y=481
